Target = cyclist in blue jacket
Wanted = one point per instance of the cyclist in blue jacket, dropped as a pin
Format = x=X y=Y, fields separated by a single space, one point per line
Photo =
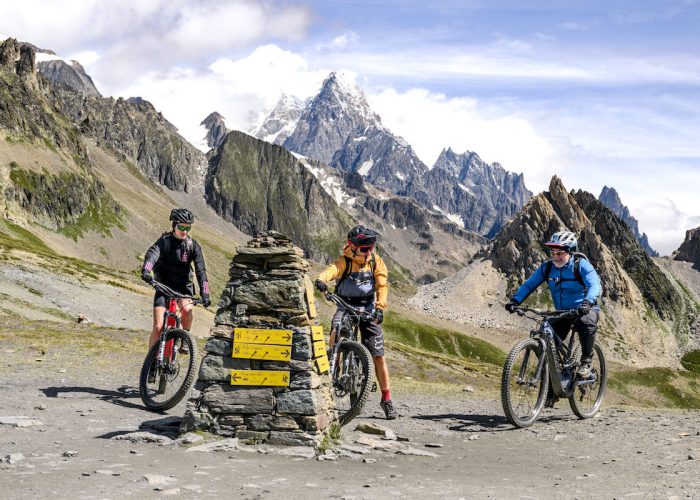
x=574 y=284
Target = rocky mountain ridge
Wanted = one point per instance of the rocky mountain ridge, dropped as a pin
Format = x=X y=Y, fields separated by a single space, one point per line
x=611 y=199
x=216 y=129
x=648 y=318
x=339 y=128
x=689 y=250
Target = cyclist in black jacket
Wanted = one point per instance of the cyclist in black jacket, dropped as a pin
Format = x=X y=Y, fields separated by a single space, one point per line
x=170 y=259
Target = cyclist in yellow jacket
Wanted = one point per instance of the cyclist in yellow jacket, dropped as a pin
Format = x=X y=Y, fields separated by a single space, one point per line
x=361 y=281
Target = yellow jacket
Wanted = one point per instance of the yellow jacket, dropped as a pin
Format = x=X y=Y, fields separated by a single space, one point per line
x=360 y=264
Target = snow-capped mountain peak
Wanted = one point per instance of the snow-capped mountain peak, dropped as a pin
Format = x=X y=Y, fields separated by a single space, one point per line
x=280 y=121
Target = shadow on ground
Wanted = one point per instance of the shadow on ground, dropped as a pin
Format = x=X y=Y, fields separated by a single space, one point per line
x=117 y=397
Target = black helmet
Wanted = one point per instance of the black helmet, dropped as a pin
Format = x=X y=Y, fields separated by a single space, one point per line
x=362 y=236
x=181 y=215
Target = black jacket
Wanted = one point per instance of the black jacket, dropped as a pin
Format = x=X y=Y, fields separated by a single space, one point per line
x=171 y=260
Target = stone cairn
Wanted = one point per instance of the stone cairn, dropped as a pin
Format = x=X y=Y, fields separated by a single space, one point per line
x=264 y=376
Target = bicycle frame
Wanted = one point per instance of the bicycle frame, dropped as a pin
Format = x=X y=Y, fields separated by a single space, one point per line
x=356 y=315
x=562 y=368
x=171 y=319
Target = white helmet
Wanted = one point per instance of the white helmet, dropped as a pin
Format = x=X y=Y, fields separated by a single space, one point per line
x=563 y=239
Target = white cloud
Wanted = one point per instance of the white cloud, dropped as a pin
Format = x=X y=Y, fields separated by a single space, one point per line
x=134 y=37
x=267 y=72
x=239 y=89
x=431 y=122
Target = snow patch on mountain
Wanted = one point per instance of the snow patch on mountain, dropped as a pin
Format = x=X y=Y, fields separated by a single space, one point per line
x=330 y=183
x=365 y=167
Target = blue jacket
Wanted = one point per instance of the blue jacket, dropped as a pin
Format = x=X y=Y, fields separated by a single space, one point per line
x=567 y=292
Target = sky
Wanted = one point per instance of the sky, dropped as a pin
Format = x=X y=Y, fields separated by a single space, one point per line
x=596 y=92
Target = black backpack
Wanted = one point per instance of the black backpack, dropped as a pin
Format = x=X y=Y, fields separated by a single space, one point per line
x=348 y=267
x=577 y=273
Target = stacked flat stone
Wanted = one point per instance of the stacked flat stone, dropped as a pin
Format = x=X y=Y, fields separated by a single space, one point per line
x=267 y=290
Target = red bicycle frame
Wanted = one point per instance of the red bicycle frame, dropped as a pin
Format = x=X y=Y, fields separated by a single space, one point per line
x=171 y=321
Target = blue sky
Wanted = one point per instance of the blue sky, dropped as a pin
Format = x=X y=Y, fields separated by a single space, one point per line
x=599 y=93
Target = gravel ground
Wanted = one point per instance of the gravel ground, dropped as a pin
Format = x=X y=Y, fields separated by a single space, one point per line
x=74 y=439
x=37 y=294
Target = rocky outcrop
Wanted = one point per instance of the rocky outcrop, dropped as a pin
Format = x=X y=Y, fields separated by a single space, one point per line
x=216 y=129
x=67 y=74
x=260 y=186
x=69 y=203
x=610 y=198
x=137 y=132
x=647 y=317
x=9 y=53
x=657 y=290
x=29 y=112
x=689 y=250
x=629 y=277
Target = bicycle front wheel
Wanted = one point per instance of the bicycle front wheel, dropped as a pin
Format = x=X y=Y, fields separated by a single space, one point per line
x=586 y=398
x=163 y=384
x=352 y=378
x=523 y=389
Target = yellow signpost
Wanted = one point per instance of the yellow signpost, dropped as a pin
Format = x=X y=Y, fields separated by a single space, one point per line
x=310 y=300
x=319 y=348
x=259 y=336
x=262 y=351
x=317 y=332
x=260 y=377
x=322 y=364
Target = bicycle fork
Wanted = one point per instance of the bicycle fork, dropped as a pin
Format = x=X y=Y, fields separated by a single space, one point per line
x=538 y=372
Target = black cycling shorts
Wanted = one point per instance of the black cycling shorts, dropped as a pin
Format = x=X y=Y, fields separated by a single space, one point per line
x=159 y=300
x=370 y=332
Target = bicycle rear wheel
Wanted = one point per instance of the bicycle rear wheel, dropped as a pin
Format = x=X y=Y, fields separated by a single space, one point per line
x=352 y=378
x=586 y=398
x=163 y=385
x=523 y=390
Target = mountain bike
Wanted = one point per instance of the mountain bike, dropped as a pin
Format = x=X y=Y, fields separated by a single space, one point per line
x=542 y=359
x=168 y=371
x=350 y=364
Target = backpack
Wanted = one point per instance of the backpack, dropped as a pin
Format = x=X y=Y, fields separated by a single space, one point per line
x=348 y=267
x=577 y=264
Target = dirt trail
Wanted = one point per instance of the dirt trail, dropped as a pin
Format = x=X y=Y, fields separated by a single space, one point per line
x=74 y=412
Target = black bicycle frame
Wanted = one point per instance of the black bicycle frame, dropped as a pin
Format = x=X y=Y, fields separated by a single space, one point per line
x=355 y=315
x=558 y=358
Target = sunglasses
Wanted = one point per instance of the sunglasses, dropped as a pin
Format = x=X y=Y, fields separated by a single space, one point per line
x=183 y=228
x=558 y=252
x=365 y=248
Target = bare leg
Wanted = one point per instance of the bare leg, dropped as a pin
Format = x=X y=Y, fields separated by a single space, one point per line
x=157 y=325
x=382 y=372
x=186 y=314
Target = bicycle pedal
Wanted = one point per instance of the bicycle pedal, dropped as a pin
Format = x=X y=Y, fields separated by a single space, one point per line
x=374 y=387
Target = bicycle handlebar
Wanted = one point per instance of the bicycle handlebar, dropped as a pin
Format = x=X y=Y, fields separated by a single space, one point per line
x=172 y=294
x=546 y=314
x=361 y=313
